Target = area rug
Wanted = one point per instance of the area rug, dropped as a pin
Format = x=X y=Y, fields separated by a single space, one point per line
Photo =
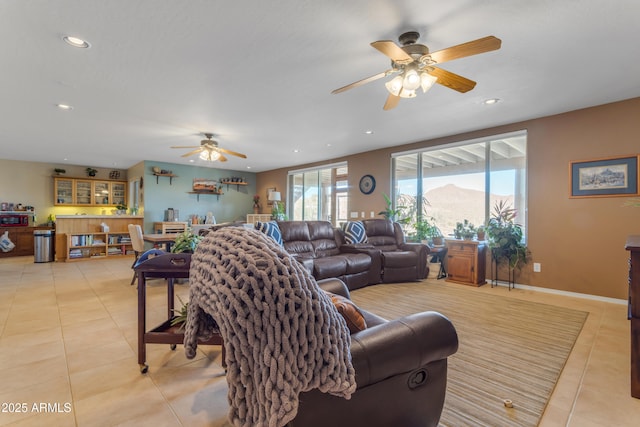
x=509 y=348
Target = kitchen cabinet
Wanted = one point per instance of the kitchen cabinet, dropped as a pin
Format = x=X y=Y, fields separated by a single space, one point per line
x=89 y=192
x=22 y=237
x=466 y=261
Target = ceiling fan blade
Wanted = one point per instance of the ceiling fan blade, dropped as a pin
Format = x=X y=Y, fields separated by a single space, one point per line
x=363 y=81
x=393 y=51
x=233 y=153
x=185 y=146
x=222 y=158
x=485 y=44
x=392 y=102
x=191 y=153
x=452 y=80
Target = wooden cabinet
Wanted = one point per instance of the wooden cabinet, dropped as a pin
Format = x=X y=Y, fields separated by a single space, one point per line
x=22 y=237
x=253 y=218
x=633 y=246
x=97 y=245
x=466 y=261
x=85 y=225
x=89 y=192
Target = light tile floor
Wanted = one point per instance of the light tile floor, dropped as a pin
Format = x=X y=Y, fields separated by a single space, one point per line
x=68 y=355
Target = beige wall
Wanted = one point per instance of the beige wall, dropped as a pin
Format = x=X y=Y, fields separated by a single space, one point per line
x=31 y=183
x=579 y=242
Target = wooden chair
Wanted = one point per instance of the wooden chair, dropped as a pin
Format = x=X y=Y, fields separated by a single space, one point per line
x=137 y=243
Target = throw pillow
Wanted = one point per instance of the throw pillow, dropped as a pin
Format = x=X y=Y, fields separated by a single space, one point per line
x=271 y=229
x=354 y=232
x=351 y=313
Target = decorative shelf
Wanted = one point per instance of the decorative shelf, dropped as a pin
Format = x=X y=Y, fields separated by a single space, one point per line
x=170 y=175
x=237 y=184
x=198 y=193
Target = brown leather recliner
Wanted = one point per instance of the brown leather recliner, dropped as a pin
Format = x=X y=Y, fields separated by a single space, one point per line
x=401 y=373
x=316 y=245
x=401 y=261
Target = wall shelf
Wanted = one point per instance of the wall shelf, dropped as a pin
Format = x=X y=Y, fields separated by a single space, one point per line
x=237 y=184
x=198 y=193
x=170 y=175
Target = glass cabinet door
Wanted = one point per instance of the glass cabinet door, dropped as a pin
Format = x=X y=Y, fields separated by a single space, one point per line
x=83 y=192
x=64 y=191
x=118 y=193
x=101 y=193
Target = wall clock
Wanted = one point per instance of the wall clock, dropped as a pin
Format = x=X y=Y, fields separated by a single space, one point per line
x=367 y=184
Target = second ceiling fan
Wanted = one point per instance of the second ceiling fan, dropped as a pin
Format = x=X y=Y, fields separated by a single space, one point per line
x=415 y=68
x=209 y=150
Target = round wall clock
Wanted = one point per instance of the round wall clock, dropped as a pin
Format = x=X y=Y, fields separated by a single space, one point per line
x=367 y=184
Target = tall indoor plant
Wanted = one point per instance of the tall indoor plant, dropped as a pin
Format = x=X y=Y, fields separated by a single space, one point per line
x=506 y=237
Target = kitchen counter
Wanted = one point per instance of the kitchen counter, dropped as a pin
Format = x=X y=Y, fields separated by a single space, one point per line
x=97 y=216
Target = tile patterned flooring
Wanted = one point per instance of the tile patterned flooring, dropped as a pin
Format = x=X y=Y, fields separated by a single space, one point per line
x=68 y=351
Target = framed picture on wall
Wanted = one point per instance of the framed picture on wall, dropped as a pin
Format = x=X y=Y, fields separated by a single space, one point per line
x=608 y=177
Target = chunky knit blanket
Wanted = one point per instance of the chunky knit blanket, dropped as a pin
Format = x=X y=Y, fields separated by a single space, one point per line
x=282 y=334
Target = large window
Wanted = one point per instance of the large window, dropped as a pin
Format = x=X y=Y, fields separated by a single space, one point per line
x=319 y=194
x=463 y=180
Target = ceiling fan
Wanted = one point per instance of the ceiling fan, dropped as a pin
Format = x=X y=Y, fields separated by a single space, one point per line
x=209 y=150
x=415 y=68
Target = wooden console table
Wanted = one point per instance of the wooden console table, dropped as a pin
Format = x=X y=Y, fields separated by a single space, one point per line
x=633 y=246
x=170 y=267
x=466 y=261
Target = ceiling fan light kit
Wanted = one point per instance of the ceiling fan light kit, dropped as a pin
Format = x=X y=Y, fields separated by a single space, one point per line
x=414 y=66
x=209 y=150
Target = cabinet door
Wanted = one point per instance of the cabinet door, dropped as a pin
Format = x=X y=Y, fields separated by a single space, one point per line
x=118 y=193
x=460 y=265
x=83 y=192
x=63 y=191
x=101 y=193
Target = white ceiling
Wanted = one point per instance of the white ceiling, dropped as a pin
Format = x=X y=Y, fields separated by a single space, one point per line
x=259 y=74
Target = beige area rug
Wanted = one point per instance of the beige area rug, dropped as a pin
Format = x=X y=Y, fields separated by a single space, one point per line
x=509 y=349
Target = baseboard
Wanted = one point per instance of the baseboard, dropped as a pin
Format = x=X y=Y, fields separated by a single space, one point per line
x=568 y=294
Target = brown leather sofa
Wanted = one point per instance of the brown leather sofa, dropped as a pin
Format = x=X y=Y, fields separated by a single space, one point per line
x=316 y=245
x=401 y=373
x=401 y=261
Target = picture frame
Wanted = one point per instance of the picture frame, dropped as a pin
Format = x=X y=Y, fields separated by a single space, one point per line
x=605 y=177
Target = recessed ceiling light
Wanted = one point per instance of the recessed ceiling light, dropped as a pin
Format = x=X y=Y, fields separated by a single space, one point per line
x=64 y=107
x=76 y=42
x=295 y=150
x=248 y=167
x=491 y=101
x=191 y=161
x=368 y=132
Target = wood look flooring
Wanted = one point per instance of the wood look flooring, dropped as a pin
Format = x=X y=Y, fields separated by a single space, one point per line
x=68 y=355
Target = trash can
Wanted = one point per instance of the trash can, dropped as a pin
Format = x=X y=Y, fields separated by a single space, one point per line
x=43 y=249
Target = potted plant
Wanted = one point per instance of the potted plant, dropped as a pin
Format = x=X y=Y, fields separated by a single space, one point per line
x=396 y=214
x=278 y=212
x=505 y=237
x=121 y=209
x=481 y=232
x=428 y=232
x=186 y=242
x=91 y=171
x=464 y=230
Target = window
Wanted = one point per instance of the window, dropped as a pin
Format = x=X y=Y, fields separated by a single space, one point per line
x=462 y=181
x=319 y=194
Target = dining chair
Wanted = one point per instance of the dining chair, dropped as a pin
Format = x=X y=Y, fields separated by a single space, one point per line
x=137 y=243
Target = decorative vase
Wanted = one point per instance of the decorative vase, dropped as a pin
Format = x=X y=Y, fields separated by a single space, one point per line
x=256 y=209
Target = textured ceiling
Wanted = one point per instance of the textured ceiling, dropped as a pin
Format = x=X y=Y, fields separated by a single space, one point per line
x=259 y=74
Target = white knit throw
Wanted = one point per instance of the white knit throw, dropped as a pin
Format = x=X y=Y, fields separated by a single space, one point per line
x=282 y=334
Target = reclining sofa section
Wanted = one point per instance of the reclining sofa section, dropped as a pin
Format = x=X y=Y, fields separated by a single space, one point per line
x=316 y=245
